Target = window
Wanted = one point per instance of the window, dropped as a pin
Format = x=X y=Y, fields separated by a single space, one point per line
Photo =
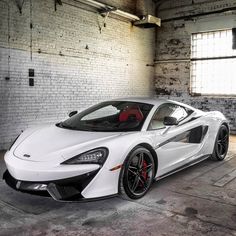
x=164 y=110
x=107 y=111
x=113 y=116
x=213 y=66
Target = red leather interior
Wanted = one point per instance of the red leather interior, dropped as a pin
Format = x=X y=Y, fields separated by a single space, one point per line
x=131 y=111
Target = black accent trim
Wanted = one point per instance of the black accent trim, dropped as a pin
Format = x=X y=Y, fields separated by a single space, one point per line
x=200 y=159
x=14 y=141
x=106 y=153
x=204 y=132
x=192 y=119
x=186 y=136
x=165 y=142
x=12 y=182
x=24 y=186
x=64 y=189
x=63 y=192
x=84 y=200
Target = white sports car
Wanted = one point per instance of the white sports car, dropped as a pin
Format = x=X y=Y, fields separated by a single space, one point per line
x=115 y=147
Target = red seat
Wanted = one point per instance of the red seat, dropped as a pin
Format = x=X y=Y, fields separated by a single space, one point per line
x=131 y=111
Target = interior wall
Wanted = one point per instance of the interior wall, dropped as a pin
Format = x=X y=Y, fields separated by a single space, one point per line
x=173 y=51
x=76 y=60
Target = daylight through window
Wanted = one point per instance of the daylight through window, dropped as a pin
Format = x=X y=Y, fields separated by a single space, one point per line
x=213 y=68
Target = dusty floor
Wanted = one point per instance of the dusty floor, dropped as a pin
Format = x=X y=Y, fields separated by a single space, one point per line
x=198 y=201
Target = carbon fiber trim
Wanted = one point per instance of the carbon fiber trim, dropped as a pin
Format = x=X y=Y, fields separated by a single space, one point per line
x=64 y=189
x=188 y=136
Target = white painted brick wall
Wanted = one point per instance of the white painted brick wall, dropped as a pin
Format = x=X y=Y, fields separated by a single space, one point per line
x=114 y=65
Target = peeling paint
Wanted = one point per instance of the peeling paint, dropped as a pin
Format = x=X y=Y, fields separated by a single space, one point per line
x=172 y=76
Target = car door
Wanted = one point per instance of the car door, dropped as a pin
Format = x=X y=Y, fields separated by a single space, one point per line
x=175 y=145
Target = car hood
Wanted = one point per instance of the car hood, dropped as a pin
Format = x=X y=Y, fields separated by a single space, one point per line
x=52 y=142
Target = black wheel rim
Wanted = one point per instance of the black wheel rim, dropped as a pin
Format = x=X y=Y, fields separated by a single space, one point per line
x=140 y=173
x=222 y=142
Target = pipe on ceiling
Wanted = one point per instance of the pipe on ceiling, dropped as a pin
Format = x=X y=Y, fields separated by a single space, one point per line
x=106 y=8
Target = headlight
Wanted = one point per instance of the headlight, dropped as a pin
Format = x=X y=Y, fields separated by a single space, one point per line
x=14 y=142
x=95 y=156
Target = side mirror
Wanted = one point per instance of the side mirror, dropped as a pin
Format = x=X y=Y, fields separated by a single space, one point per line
x=73 y=113
x=169 y=121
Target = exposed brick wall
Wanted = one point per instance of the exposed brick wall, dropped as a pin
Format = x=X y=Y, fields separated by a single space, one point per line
x=172 y=68
x=75 y=64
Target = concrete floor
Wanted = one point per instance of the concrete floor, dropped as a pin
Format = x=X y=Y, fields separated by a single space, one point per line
x=198 y=201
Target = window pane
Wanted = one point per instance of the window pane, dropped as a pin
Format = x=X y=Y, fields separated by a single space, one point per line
x=165 y=110
x=213 y=76
x=212 y=44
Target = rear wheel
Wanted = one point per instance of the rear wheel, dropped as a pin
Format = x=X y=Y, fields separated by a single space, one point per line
x=137 y=173
x=221 y=144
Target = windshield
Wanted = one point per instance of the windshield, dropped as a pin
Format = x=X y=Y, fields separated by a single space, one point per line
x=110 y=116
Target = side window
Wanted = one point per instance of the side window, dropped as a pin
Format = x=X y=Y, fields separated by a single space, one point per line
x=179 y=113
x=164 y=110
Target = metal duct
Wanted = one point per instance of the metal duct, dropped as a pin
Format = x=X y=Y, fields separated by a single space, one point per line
x=148 y=21
x=143 y=11
x=144 y=21
x=106 y=8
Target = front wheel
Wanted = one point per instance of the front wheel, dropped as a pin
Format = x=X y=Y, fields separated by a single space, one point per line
x=137 y=173
x=221 y=144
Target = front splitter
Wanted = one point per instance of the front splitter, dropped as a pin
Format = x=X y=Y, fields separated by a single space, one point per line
x=61 y=190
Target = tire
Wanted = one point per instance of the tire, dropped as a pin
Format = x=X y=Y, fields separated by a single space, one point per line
x=137 y=173
x=221 y=144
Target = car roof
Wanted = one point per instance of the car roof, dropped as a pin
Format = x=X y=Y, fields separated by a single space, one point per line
x=153 y=101
x=148 y=100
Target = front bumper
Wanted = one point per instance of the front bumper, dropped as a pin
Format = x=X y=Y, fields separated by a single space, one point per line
x=27 y=170
x=61 y=190
x=35 y=175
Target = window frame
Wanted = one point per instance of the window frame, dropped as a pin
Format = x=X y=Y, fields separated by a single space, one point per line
x=175 y=104
x=206 y=58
